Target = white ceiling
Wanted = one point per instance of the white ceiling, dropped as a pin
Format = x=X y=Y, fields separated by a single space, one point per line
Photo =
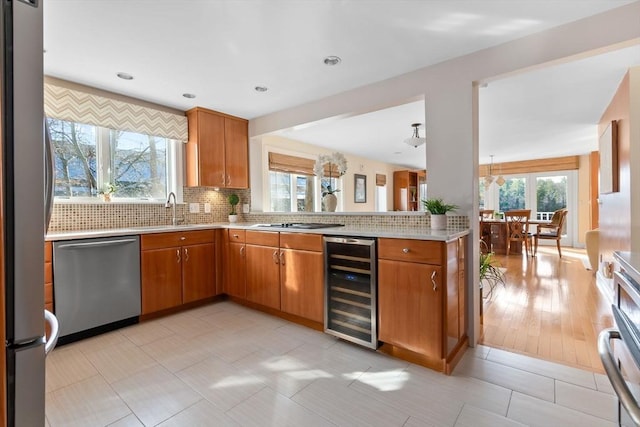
x=221 y=49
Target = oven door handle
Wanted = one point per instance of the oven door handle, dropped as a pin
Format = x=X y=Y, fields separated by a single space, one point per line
x=615 y=376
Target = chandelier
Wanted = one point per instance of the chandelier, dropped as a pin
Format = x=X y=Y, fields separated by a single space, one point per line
x=489 y=178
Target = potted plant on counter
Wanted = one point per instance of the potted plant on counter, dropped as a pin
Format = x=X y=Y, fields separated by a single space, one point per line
x=233 y=200
x=107 y=191
x=438 y=210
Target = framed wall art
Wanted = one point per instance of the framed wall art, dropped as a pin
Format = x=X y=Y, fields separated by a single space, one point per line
x=360 y=188
x=608 y=150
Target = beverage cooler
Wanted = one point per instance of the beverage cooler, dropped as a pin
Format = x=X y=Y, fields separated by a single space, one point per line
x=350 y=289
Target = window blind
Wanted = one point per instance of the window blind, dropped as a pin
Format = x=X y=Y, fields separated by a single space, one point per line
x=77 y=106
x=290 y=164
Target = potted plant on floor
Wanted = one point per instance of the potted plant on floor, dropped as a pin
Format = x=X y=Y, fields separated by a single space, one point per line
x=490 y=272
x=233 y=200
x=438 y=210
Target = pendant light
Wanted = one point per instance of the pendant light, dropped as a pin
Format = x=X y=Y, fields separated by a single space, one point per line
x=488 y=179
x=415 y=139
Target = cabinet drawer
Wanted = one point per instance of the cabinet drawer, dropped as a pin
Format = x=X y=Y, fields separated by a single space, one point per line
x=236 y=235
x=305 y=242
x=262 y=238
x=425 y=251
x=165 y=240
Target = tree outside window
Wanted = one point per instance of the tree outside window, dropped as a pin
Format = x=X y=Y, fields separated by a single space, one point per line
x=88 y=158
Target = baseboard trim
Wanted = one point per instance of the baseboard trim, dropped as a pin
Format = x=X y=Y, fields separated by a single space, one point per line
x=605 y=286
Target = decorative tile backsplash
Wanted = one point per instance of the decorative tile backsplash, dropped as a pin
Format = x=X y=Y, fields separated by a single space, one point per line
x=93 y=216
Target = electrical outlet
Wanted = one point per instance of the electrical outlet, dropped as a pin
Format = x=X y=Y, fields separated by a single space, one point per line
x=194 y=207
x=245 y=208
x=207 y=208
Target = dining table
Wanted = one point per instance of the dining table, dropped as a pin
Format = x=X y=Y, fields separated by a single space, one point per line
x=493 y=232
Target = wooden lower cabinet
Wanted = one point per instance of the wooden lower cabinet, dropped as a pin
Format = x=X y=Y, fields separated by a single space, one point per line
x=282 y=271
x=422 y=300
x=48 y=276
x=263 y=275
x=176 y=268
x=302 y=284
x=161 y=272
x=409 y=308
x=235 y=271
x=198 y=272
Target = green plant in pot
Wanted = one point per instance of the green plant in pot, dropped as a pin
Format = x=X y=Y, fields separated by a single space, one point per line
x=233 y=200
x=490 y=272
x=438 y=210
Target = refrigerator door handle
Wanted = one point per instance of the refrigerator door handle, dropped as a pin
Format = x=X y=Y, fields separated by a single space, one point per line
x=52 y=320
x=49 y=178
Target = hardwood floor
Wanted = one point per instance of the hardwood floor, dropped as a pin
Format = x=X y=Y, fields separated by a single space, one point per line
x=550 y=308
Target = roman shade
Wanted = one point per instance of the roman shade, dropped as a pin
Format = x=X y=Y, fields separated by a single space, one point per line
x=381 y=180
x=290 y=164
x=73 y=105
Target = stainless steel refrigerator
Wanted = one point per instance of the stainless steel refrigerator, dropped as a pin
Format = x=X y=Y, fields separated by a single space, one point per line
x=23 y=205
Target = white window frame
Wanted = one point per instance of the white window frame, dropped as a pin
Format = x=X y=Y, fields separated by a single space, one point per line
x=492 y=199
x=266 y=181
x=174 y=172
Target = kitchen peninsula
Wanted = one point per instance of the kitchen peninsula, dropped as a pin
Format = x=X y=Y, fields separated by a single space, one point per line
x=281 y=270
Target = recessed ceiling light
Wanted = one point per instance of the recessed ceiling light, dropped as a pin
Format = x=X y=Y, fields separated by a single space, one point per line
x=397 y=152
x=125 y=76
x=189 y=95
x=261 y=88
x=332 y=60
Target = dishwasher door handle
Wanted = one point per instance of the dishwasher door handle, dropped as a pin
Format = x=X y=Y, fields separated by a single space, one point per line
x=94 y=244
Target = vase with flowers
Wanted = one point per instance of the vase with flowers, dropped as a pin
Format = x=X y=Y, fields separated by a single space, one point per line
x=330 y=167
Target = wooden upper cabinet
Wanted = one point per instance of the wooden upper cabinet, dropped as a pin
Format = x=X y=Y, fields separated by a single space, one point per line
x=236 y=155
x=217 y=152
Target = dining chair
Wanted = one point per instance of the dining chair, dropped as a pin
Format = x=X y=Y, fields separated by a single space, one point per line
x=552 y=231
x=485 y=229
x=486 y=214
x=518 y=228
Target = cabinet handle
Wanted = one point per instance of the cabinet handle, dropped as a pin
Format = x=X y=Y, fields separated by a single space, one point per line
x=183 y=238
x=275 y=257
x=228 y=180
x=242 y=250
x=281 y=258
x=433 y=280
x=186 y=254
x=223 y=182
x=178 y=255
x=405 y=250
x=236 y=236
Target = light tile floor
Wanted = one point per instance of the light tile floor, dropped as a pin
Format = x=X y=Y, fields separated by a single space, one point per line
x=226 y=365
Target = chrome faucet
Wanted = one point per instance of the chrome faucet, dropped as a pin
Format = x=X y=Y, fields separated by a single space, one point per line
x=174 y=220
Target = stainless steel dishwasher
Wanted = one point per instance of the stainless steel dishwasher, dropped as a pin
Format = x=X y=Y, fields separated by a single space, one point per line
x=96 y=285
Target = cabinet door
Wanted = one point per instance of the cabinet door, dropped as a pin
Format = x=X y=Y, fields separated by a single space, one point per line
x=161 y=271
x=236 y=271
x=263 y=275
x=409 y=309
x=236 y=153
x=302 y=283
x=205 y=149
x=198 y=272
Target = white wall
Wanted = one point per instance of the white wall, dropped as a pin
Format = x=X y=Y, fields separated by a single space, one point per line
x=259 y=166
x=451 y=105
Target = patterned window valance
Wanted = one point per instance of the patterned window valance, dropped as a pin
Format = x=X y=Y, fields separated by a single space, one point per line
x=73 y=105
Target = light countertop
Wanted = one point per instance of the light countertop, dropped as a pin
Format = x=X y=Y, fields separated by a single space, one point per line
x=350 y=230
